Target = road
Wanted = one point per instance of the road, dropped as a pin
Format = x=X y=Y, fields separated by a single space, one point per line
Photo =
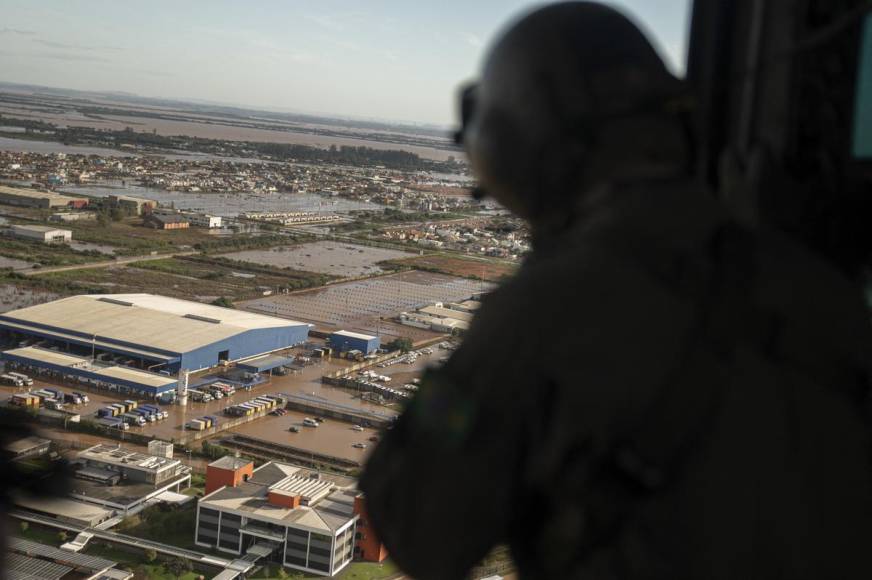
x=102 y=264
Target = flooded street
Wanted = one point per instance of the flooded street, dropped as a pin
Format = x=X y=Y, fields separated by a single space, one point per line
x=332 y=437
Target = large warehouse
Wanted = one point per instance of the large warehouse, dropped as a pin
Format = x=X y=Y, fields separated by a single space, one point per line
x=151 y=332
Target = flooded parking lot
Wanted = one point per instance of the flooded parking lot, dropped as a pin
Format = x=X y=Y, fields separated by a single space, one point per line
x=338 y=259
x=361 y=305
x=333 y=437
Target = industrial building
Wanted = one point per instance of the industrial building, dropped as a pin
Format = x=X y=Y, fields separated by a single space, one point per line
x=44 y=234
x=343 y=341
x=153 y=333
x=131 y=205
x=123 y=480
x=200 y=220
x=64 y=367
x=166 y=222
x=23 y=197
x=26 y=560
x=301 y=519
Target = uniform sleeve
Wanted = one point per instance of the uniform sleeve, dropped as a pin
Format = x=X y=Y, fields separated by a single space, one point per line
x=438 y=485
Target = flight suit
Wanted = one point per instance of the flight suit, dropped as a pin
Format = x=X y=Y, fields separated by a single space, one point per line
x=659 y=392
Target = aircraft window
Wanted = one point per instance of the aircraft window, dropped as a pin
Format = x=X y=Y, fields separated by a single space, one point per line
x=863 y=116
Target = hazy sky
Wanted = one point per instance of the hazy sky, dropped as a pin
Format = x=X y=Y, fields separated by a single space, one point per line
x=388 y=59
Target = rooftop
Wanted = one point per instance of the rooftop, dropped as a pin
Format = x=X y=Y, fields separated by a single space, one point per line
x=127 y=374
x=349 y=334
x=26 y=444
x=230 y=462
x=38 y=229
x=325 y=508
x=440 y=312
x=34 y=194
x=159 y=322
x=37 y=561
x=119 y=456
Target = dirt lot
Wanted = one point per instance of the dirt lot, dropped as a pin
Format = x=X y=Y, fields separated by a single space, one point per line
x=480 y=269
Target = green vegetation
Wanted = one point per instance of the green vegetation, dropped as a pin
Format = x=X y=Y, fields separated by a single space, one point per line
x=213 y=451
x=36 y=533
x=401 y=344
x=354 y=571
x=223 y=302
x=46 y=254
x=156 y=569
x=165 y=524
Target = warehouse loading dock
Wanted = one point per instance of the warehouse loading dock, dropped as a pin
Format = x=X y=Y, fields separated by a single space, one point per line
x=83 y=370
x=264 y=363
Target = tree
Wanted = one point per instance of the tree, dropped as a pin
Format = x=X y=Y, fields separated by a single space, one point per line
x=224 y=302
x=150 y=555
x=401 y=344
x=24 y=527
x=62 y=536
x=281 y=573
x=178 y=567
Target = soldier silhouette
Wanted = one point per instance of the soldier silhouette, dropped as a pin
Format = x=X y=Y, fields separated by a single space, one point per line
x=661 y=391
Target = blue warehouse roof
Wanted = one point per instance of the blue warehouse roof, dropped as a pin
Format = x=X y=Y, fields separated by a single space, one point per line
x=154 y=327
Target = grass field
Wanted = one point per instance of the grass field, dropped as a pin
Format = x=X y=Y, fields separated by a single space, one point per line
x=354 y=571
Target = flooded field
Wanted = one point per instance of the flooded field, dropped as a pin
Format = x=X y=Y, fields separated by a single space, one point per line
x=338 y=259
x=361 y=305
x=14 y=264
x=14 y=297
x=218 y=128
x=229 y=204
x=87 y=246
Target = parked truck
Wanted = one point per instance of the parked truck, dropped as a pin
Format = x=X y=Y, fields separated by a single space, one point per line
x=25 y=380
x=133 y=419
x=113 y=423
x=72 y=398
x=11 y=380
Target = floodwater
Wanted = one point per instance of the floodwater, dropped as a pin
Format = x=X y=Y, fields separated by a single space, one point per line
x=13 y=297
x=87 y=246
x=229 y=204
x=339 y=259
x=28 y=146
x=333 y=437
x=14 y=264
x=360 y=305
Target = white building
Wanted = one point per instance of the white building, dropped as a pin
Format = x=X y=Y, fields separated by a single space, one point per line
x=43 y=234
x=291 y=516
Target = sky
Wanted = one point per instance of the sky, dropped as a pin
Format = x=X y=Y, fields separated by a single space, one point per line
x=398 y=60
